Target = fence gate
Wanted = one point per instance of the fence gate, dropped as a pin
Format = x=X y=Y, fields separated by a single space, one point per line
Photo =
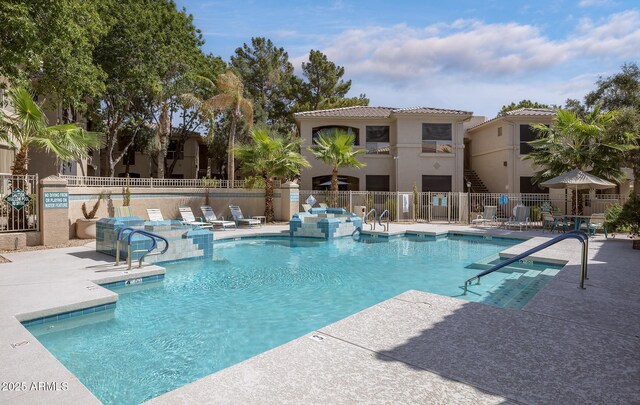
x=19 y=203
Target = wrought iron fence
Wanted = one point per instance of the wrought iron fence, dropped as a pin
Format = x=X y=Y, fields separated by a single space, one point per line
x=453 y=207
x=402 y=206
x=91 y=181
x=19 y=203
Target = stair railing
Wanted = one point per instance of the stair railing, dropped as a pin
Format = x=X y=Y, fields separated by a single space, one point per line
x=579 y=235
x=148 y=252
x=375 y=216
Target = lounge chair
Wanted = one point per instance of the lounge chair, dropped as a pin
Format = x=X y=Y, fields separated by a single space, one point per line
x=488 y=215
x=154 y=214
x=520 y=218
x=124 y=211
x=189 y=219
x=210 y=217
x=323 y=205
x=236 y=212
x=597 y=222
x=306 y=207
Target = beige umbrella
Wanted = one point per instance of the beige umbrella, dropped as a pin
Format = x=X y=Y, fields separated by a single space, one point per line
x=578 y=180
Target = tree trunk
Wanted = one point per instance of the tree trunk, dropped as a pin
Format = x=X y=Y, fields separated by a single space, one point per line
x=231 y=170
x=18 y=218
x=21 y=162
x=164 y=129
x=268 y=198
x=334 y=187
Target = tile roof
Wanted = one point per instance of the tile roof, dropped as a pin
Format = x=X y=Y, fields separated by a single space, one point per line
x=521 y=112
x=546 y=112
x=429 y=110
x=376 y=112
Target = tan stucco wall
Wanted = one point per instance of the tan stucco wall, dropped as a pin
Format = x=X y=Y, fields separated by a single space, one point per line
x=168 y=200
x=489 y=152
x=405 y=138
x=376 y=164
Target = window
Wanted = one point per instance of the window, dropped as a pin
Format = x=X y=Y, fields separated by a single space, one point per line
x=499 y=131
x=172 y=151
x=527 y=134
x=527 y=186
x=350 y=130
x=378 y=139
x=377 y=183
x=436 y=183
x=436 y=138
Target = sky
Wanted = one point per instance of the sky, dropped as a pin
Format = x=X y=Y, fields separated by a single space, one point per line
x=467 y=55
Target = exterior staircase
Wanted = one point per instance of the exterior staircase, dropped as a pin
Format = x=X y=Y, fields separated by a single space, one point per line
x=477 y=186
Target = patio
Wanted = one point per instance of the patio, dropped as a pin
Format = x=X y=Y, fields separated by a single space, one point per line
x=567 y=345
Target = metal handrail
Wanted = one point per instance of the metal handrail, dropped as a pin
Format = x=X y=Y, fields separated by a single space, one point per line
x=580 y=235
x=375 y=216
x=385 y=227
x=153 y=236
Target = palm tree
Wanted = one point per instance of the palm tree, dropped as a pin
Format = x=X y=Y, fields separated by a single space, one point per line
x=25 y=126
x=231 y=98
x=573 y=142
x=271 y=155
x=335 y=148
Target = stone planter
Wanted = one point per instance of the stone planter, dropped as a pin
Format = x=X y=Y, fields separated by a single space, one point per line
x=86 y=228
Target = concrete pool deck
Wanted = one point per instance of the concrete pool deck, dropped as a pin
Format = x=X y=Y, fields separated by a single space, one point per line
x=566 y=346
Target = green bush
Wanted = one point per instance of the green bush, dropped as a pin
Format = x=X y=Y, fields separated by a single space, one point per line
x=612 y=215
x=629 y=217
x=535 y=214
x=392 y=205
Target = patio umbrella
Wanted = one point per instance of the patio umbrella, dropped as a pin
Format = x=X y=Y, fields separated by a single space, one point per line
x=578 y=180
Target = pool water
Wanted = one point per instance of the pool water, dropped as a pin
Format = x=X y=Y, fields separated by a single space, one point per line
x=257 y=294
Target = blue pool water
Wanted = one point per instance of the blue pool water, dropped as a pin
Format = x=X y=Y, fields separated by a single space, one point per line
x=257 y=294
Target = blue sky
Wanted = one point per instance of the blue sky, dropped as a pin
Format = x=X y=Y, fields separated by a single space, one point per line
x=469 y=55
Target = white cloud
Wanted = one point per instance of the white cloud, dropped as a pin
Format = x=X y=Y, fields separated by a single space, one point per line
x=474 y=65
x=594 y=3
x=476 y=48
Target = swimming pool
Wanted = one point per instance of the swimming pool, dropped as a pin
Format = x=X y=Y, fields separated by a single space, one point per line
x=257 y=294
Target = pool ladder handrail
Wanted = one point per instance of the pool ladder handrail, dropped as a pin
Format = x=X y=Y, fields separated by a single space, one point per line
x=154 y=238
x=385 y=227
x=579 y=235
x=375 y=216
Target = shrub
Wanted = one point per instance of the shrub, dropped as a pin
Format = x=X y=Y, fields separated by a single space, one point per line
x=612 y=215
x=391 y=204
x=630 y=217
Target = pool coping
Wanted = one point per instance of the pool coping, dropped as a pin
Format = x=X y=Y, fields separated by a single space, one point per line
x=54 y=369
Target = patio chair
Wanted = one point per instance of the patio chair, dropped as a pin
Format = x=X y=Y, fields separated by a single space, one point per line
x=236 y=213
x=124 y=211
x=549 y=222
x=597 y=222
x=520 y=218
x=488 y=215
x=306 y=207
x=210 y=217
x=154 y=214
x=189 y=219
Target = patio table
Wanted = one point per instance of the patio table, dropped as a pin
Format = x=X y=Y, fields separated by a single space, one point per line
x=578 y=220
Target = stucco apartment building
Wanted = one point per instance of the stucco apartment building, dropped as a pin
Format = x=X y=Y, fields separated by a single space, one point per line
x=497 y=149
x=191 y=160
x=436 y=149
x=405 y=146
